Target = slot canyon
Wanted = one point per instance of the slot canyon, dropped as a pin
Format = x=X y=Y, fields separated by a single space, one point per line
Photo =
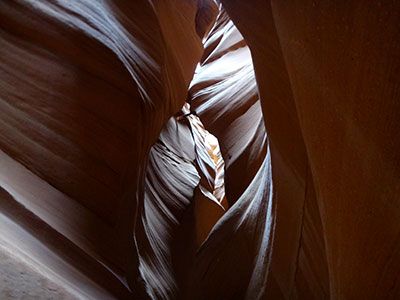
x=199 y=149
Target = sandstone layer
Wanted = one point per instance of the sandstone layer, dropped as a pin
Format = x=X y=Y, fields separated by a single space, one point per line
x=110 y=187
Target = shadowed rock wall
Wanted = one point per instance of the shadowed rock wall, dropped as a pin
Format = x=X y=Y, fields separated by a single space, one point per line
x=328 y=78
x=85 y=89
x=91 y=190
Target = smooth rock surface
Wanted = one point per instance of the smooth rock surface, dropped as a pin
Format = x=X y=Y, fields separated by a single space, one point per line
x=100 y=182
x=19 y=280
x=328 y=78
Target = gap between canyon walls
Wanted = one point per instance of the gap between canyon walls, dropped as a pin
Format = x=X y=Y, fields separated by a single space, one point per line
x=85 y=91
x=233 y=260
x=99 y=186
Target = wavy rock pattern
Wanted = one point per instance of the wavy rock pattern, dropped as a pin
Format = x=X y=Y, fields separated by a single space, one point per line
x=171 y=179
x=85 y=91
x=112 y=193
x=233 y=261
x=327 y=72
x=223 y=91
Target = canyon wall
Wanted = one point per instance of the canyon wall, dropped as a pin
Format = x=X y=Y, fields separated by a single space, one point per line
x=332 y=68
x=101 y=173
x=86 y=88
x=233 y=259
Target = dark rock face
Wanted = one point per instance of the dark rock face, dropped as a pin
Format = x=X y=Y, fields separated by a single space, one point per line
x=333 y=67
x=107 y=188
x=85 y=91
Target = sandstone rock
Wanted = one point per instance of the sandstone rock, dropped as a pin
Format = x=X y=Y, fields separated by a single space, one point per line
x=110 y=194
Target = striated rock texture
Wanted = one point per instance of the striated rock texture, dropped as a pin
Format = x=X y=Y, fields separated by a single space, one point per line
x=328 y=75
x=85 y=89
x=110 y=188
x=233 y=261
x=179 y=206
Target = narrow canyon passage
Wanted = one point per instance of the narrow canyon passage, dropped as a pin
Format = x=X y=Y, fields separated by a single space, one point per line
x=199 y=149
x=184 y=193
x=209 y=199
x=185 y=200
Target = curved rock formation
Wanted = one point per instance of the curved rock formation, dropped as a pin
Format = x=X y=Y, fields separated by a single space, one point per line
x=233 y=261
x=327 y=72
x=85 y=91
x=223 y=94
x=108 y=183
